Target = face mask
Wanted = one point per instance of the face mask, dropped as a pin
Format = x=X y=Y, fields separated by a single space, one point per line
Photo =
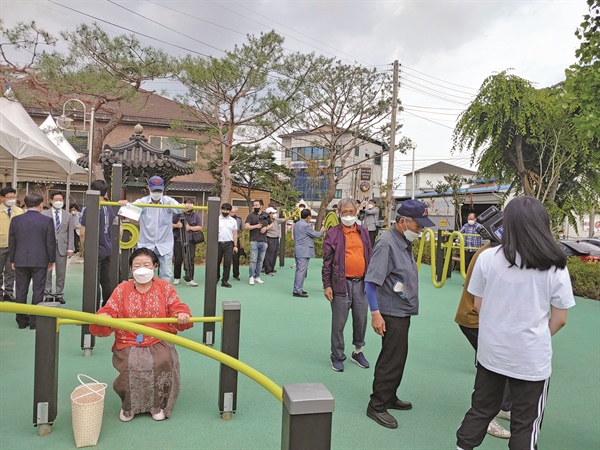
x=370 y=206
x=156 y=195
x=471 y=222
x=143 y=275
x=256 y=210
x=275 y=216
x=348 y=221
x=411 y=235
x=225 y=214
x=58 y=205
x=11 y=203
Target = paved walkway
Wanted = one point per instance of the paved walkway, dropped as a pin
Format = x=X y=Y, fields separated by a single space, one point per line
x=287 y=339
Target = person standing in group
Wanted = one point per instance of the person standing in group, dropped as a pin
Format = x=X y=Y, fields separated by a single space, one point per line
x=304 y=249
x=346 y=255
x=149 y=379
x=273 y=236
x=64 y=227
x=240 y=243
x=392 y=284
x=32 y=250
x=522 y=293
x=192 y=223
x=228 y=238
x=258 y=223
x=8 y=211
x=370 y=216
x=106 y=218
x=156 y=226
x=76 y=213
x=472 y=243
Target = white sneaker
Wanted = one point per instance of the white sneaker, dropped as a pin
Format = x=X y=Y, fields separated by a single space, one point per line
x=175 y=281
x=123 y=417
x=503 y=415
x=191 y=283
x=259 y=281
x=251 y=281
x=497 y=430
x=159 y=415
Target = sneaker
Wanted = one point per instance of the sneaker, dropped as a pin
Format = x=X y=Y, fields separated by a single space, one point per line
x=338 y=366
x=191 y=283
x=497 y=430
x=270 y=274
x=176 y=281
x=360 y=360
x=258 y=280
x=236 y=278
x=159 y=415
x=251 y=281
x=503 y=415
x=123 y=417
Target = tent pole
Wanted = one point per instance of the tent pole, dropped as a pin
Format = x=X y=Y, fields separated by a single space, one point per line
x=68 y=191
x=14 y=177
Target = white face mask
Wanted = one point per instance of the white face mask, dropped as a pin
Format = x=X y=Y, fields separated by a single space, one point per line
x=369 y=206
x=348 y=221
x=275 y=216
x=58 y=205
x=411 y=235
x=471 y=222
x=10 y=203
x=143 y=275
x=156 y=195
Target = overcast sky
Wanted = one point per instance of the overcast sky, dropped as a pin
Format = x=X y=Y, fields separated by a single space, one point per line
x=446 y=48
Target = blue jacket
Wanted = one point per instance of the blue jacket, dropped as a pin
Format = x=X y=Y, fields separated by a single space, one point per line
x=304 y=240
x=334 y=257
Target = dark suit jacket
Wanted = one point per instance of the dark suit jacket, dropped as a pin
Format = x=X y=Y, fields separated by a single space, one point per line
x=31 y=240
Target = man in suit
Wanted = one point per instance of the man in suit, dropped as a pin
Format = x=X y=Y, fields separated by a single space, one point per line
x=8 y=211
x=304 y=249
x=65 y=244
x=32 y=249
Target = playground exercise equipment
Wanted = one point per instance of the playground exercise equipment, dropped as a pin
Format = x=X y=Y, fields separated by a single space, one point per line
x=441 y=254
x=306 y=420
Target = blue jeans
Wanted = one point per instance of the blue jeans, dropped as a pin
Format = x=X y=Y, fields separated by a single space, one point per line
x=257 y=256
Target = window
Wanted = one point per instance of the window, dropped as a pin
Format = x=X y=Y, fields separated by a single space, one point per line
x=308 y=153
x=177 y=146
x=338 y=193
x=288 y=153
x=377 y=160
x=336 y=171
x=367 y=156
x=310 y=188
x=240 y=203
x=356 y=151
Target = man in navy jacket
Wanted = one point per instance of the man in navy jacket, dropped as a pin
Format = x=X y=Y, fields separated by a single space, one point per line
x=32 y=248
x=346 y=255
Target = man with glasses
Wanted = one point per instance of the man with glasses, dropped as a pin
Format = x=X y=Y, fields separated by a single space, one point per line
x=393 y=296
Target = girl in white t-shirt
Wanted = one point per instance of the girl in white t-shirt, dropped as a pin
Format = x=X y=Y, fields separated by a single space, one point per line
x=522 y=292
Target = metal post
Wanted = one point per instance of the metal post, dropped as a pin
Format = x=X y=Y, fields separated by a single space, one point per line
x=439 y=256
x=45 y=382
x=230 y=345
x=282 y=244
x=90 y=266
x=307 y=416
x=210 y=278
x=117 y=186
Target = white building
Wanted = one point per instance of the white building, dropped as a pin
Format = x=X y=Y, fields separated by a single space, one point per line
x=428 y=177
x=364 y=173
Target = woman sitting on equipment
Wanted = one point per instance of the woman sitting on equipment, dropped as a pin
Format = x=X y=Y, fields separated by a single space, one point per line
x=149 y=379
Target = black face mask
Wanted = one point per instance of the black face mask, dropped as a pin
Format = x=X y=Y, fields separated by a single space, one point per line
x=225 y=214
x=256 y=210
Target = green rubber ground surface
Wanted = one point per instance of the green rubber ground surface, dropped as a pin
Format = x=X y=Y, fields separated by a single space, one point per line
x=287 y=339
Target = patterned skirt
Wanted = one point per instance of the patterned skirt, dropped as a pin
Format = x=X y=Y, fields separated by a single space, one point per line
x=149 y=378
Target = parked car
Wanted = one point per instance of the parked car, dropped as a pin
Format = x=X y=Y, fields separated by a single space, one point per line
x=593 y=241
x=586 y=251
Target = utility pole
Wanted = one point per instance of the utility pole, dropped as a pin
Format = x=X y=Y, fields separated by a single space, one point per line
x=390 y=175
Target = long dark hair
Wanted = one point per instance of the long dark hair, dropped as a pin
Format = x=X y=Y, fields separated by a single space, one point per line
x=527 y=232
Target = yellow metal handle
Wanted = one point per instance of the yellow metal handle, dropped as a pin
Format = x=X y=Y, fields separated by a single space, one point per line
x=448 y=257
x=152 y=205
x=135 y=234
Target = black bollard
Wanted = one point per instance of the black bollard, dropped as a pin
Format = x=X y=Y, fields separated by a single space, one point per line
x=117 y=187
x=45 y=382
x=210 y=268
x=230 y=345
x=282 y=244
x=307 y=416
x=90 y=267
x=439 y=256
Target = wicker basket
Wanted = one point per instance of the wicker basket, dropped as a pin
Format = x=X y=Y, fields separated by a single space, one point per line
x=87 y=404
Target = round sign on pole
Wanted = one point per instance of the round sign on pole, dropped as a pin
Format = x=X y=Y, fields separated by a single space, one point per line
x=364 y=186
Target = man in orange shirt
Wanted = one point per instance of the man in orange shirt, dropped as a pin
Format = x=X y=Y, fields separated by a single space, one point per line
x=346 y=254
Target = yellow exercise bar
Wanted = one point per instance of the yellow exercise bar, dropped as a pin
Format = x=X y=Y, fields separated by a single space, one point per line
x=60 y=322
x=158 y=205
x=128 y=325
x=448 y=257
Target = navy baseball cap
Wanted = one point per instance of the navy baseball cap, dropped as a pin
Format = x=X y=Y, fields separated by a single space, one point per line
x=156 y=183
x=417 y=211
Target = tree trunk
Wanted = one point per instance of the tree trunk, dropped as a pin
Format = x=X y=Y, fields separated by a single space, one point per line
x=592 y=221
x=523 y=175
x=100 y=134
x=324 y=202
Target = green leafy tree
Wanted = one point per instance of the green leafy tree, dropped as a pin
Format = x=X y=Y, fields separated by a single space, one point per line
x=245 y=96
x=101 y=71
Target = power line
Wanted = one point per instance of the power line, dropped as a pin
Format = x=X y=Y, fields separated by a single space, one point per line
x=429 y=112
x=437 y=84
x=432 y=107
x=438 y=79
x=411 y=82
x=429 y=120
x=433 y=95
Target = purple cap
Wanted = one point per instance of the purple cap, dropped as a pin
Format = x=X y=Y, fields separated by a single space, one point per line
x=156 y=183
x=417 y=211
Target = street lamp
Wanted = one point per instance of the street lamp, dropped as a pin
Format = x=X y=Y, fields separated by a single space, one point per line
x=65 y=123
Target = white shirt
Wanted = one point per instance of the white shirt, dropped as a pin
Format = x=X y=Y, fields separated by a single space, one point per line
x=156 y=230
x=227 y=225
x=514 y=337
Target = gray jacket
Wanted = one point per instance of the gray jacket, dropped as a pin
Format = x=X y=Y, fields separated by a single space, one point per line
x=65 y=240
x=370 y=219
x=304 y=239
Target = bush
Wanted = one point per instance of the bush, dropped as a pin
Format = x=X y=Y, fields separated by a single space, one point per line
x=585 y=277
x=289 y=246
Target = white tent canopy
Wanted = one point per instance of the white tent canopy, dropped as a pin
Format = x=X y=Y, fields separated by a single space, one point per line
x=40 y=159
